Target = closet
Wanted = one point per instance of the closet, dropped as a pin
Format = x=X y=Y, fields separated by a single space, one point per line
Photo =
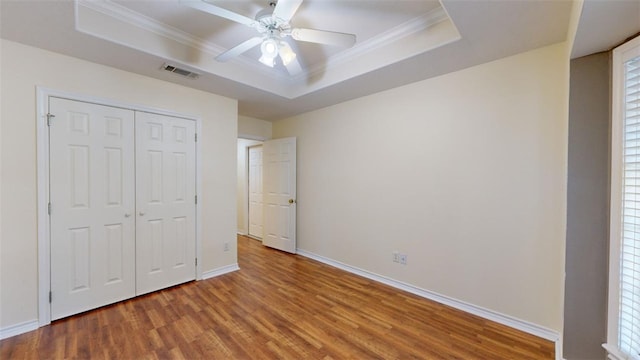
x=122 y=204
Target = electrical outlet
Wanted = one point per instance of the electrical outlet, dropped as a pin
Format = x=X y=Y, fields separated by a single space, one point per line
x=226 y=246
x=396 y=257
x=403 y=259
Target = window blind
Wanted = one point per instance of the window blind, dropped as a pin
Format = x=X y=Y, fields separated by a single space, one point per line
x=629 y=309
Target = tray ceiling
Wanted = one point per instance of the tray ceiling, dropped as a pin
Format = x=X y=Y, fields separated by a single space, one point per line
x=398 y=42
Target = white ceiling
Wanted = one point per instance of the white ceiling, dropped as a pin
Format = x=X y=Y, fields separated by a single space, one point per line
x=399 y=41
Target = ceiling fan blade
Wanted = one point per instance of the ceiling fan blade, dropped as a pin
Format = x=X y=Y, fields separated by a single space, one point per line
x=324 y=37
x=285 y=9
x=239 y=49
x=293 y=67
x=218 y=11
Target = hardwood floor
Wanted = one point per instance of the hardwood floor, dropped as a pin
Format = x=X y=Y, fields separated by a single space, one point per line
x=277 y=306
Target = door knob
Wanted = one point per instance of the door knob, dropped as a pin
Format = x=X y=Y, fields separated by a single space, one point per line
x=127 y=215
x=141 y=213
x=291 y=201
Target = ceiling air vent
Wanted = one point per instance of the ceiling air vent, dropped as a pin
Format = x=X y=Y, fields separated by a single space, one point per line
x=179 y=71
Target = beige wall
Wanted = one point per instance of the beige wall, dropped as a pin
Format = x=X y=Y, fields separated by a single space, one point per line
x=23 y=68
x=465 y=173
x=252 y=128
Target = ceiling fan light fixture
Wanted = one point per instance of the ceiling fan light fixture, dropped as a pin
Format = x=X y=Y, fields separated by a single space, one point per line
x=269 y=61
x=269 y=48
x=286 y=53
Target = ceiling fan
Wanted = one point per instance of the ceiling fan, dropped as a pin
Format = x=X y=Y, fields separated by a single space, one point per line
x=272 y=25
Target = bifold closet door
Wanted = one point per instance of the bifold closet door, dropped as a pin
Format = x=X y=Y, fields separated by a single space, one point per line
x=165 y=198
x=122 y=198
x=92 y=199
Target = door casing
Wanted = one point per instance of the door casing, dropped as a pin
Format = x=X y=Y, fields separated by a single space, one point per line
x=260 y=202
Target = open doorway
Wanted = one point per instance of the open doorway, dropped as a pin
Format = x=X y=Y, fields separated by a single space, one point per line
x=267 y=192
x=256 y=216
x=249 y=193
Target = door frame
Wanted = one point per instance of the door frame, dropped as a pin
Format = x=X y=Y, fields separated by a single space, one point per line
x=245 y=205
x=42 y=167
x=248 y=204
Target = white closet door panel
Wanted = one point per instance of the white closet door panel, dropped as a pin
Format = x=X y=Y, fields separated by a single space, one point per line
x=92 y=174
x=165 y=197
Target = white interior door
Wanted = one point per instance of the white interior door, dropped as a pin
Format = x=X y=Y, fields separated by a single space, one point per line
x=92 y=174
x=165 y=198
x=279 y=194
x=255 y=192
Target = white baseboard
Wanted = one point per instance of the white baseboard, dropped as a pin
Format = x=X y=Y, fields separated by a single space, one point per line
x=503 y=319
x=220 y=271
x=27 y=326
x=558 y=345
x=18 y=329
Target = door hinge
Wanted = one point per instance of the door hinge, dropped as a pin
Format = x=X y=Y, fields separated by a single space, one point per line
x=50 y=297
x=49 y=117
x=196 y=261
x=196 y=137
x=49 y=208
x=196 y=199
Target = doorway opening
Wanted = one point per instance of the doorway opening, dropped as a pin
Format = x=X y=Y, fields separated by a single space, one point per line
x=249 y=194
x=270 y=210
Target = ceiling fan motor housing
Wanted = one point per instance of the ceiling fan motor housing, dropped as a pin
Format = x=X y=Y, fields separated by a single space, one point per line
x=262 y=14
x=271 y=26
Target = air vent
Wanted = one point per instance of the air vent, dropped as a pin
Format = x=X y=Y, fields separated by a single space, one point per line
x=179 y=71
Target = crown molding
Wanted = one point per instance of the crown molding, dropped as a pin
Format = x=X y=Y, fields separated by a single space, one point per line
x=386 y=38
x=289 y=86
x=129 y=16
x=122 y=13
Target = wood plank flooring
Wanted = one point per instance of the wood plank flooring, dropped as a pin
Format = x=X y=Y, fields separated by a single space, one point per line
x=278 y=306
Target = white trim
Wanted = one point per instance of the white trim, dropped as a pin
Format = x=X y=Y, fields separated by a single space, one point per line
x=18 y=329
x=252 y=137
x=613 y=353
x=620 y=55
x=42 y=160
x=254 y=237
x=503 y=319
x=220 y=271
x=136 y=19
x=200 y=197
x=247 y=188
x=558 y=347
x=245 y=193
x=114 y=103
x=386 y=38
x=42 y=146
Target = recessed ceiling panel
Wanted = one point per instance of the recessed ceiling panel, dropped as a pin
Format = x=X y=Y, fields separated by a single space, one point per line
x=399 y=42
x=180 y=33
